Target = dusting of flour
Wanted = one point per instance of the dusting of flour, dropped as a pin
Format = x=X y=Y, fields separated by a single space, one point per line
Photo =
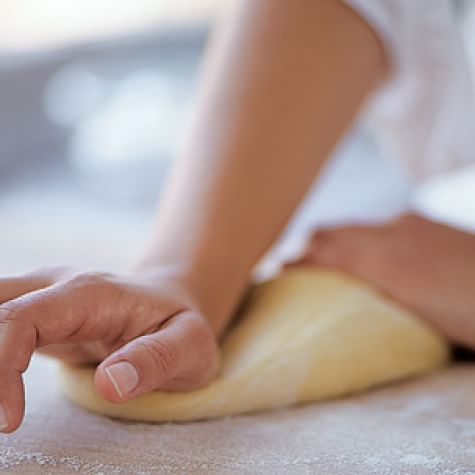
x=419 y=427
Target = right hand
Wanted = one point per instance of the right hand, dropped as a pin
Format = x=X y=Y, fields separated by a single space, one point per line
x=145 y=330
x=427 y=266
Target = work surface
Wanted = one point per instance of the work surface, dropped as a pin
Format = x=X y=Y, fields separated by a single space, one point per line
x=423 y=426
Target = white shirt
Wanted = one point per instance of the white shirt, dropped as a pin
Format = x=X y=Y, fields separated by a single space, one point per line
x=424 y=114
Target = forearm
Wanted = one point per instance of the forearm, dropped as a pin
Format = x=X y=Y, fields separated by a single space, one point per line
x=285 y=81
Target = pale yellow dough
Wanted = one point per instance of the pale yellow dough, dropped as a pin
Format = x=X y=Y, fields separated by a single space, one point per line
x=304 y=336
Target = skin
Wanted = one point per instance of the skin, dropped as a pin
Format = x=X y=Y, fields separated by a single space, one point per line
x=275 y=101
x=427 y=266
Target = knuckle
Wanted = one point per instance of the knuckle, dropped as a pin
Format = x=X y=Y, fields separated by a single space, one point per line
x=315 y=235
x=159 y=355
x=317 y=240
x=328 y=250
x=90 y=280
x=95 y=297
x=9 y=312
x=408 y=219
x=16 y=327
x=324 y=235
x=344 y=256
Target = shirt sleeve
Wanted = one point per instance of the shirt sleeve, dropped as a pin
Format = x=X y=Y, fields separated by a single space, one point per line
x=424 y=113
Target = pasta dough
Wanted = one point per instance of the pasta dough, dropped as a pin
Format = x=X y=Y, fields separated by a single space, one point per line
x=304 y=336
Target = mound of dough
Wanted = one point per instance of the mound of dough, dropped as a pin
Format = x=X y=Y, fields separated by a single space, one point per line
x=304 y=336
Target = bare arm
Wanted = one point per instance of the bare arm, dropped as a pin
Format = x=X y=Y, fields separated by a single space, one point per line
x=284 y=81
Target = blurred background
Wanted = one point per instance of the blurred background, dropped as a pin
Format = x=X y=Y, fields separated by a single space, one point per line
x=93 y=100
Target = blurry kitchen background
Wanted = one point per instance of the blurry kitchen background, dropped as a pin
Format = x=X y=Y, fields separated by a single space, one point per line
x=93 y=99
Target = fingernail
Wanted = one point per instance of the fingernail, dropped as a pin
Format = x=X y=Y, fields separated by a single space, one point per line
x=124 y=377
x=3 y=418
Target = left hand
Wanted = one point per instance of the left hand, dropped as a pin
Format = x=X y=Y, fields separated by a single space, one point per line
x=427 y=266
x=146 y=330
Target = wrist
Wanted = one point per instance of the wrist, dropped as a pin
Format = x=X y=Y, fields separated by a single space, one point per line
x=214 y=297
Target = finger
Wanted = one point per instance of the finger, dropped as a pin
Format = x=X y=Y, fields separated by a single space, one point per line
x=182 y=354
x=12 y=287
x=367 y=253
x=59 y=313
x=12 y=400
x=320 y=246
x=349 y=249
x=314 y=243
x=325 y=239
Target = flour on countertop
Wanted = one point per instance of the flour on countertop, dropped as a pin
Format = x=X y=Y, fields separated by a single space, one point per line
x=420 y=427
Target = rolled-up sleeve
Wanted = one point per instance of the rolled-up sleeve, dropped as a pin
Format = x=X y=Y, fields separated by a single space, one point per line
x=424 y=111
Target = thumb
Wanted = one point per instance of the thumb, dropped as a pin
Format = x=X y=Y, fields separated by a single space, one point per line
x=182 y=354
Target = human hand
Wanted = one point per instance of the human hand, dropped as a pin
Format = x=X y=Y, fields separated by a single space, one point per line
x=428 y=267
x=145 y=330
